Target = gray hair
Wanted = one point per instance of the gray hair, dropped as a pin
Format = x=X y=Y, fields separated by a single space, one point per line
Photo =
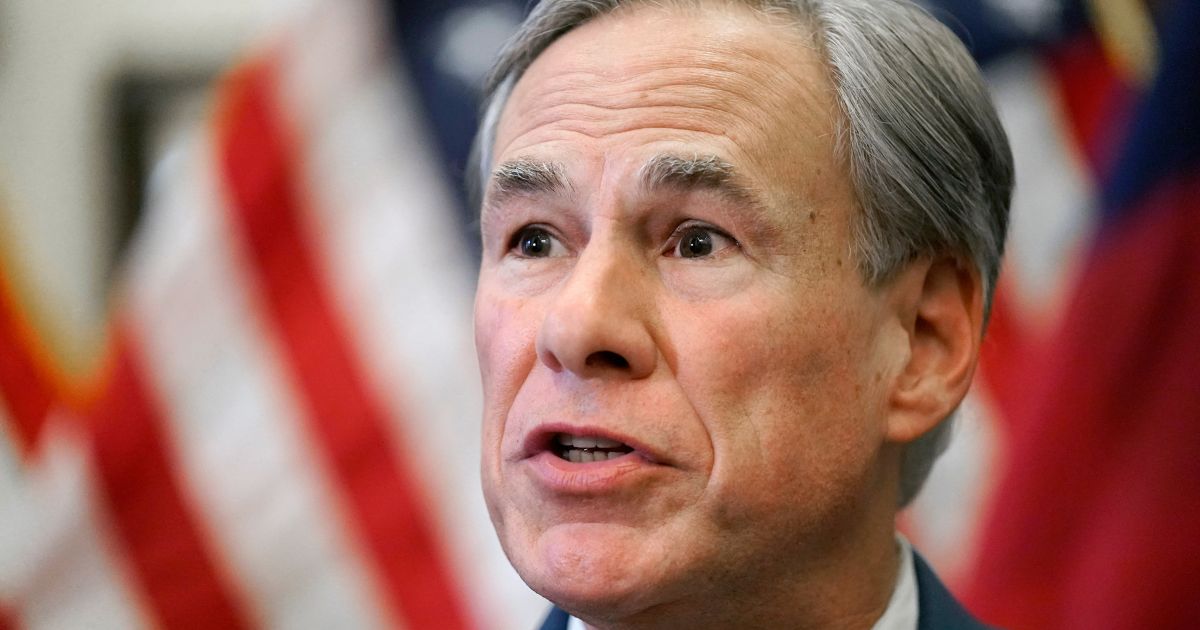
x=929 y=161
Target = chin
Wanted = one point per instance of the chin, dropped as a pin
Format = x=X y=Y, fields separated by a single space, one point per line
x=593 y=571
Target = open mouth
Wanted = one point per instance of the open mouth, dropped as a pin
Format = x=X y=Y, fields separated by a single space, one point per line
x=582 y=449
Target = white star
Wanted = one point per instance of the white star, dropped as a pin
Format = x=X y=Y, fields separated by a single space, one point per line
x=1031 y=16
x=471 y=37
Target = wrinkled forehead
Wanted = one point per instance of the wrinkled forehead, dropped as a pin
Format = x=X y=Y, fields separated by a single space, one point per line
x=727 y=37
x=725 y=80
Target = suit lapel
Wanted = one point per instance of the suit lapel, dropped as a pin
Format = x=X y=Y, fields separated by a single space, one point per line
x=937 y=608
x=556 y=620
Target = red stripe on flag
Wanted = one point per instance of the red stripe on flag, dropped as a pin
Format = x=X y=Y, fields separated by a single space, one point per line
x=1097 y=525
x=1002 y=354
x=26 y=391
x=1093 y=98
x=258 y=165
x=147 y=507
x=7 y=622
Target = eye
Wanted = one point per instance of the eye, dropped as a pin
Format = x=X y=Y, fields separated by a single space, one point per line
x=699 y=241
x=535 y=242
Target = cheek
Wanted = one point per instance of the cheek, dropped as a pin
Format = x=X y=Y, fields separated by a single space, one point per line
x=783 y=397
x=766 y=355
x=505 y=332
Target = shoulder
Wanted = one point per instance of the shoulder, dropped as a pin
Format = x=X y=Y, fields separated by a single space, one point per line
x=938 y=609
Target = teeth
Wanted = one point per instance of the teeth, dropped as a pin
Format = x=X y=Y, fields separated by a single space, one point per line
x=584 y=449
x=579 y=441
x=581 y=456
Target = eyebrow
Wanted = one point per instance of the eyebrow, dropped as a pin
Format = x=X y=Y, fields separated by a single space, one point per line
x=699 y=172
x=526 y=178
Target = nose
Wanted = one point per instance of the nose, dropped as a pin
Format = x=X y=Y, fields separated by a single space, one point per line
x=598 y=323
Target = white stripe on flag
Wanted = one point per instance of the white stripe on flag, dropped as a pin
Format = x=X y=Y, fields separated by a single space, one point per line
x=1053 y=207
x=381 y=222
x=57 y=562
x=10 y=467
x=232 y=416
x=945 y=517
x=14 y=508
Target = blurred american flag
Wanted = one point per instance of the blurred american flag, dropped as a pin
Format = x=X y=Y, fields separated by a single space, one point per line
x=285 y=432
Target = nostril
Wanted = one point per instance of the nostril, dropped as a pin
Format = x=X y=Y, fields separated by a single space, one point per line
x=607 y=358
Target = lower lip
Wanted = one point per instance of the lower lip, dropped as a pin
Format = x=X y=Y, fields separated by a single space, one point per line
x=562 y=476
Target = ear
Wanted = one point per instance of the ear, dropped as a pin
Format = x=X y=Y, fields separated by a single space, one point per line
x=939 y=303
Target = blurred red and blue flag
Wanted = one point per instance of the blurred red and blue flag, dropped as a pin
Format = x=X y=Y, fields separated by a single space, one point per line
x=1093 y=523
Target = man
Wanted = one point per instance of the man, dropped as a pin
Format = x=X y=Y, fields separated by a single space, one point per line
x=736 y=264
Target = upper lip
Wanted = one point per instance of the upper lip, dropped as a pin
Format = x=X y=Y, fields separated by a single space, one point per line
x=541 y=439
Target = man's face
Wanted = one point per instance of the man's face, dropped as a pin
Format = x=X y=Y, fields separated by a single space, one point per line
x=668 y=289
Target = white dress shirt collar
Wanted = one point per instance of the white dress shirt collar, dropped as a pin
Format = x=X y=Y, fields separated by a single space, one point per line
x=901 y=612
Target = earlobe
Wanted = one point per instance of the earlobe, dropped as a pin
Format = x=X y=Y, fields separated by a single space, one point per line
x=940 y=304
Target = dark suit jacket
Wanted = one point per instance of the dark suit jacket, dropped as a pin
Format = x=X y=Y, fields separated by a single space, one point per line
x=937 y=608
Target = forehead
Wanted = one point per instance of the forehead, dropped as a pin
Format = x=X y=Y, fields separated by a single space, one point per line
x=747 y=87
